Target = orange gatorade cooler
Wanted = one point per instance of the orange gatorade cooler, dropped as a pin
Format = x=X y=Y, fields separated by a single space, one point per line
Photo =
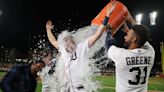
x=117 y=17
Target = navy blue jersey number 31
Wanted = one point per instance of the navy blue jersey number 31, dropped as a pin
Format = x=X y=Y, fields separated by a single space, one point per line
x=138 y=76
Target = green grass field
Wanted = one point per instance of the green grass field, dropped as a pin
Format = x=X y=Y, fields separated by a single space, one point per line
x=108 y=84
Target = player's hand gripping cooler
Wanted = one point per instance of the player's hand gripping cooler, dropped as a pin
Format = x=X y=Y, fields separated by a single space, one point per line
x=117 y=17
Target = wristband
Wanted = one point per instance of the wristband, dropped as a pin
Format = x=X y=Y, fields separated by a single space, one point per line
x=105 y=22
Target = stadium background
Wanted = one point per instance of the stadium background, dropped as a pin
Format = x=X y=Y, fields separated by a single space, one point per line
x=22 y=25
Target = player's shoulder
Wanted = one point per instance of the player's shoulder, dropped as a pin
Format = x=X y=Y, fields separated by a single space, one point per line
x=147 y=46
x=117 y=51
x=115 y=48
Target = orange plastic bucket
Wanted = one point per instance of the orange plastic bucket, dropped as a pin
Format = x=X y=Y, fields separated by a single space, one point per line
x=117 y=17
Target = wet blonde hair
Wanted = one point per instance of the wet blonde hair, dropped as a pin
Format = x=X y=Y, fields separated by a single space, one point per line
x=64 y=36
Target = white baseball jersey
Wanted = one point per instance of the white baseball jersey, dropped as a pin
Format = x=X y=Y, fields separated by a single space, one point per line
x=132 y=67
x=72 y=66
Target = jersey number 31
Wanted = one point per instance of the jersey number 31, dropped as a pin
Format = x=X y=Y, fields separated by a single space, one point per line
x=138 y=76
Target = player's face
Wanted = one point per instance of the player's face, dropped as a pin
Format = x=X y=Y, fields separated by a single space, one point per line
x=129 y=38
x=70 y=45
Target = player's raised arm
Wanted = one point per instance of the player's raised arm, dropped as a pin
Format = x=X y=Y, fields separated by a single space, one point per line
x=101 y=28
x=131 y=19
x=50 y=35
x=125 y=27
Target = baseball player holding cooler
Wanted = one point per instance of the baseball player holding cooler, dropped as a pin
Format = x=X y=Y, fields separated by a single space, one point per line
x=133 y=65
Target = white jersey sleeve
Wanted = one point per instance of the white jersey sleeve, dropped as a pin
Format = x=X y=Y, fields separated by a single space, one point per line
x=115 y=52
x=147 y=46
x=83 y=46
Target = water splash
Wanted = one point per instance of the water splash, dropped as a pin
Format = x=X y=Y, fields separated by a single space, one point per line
x=82 y=34
x=87 y=69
